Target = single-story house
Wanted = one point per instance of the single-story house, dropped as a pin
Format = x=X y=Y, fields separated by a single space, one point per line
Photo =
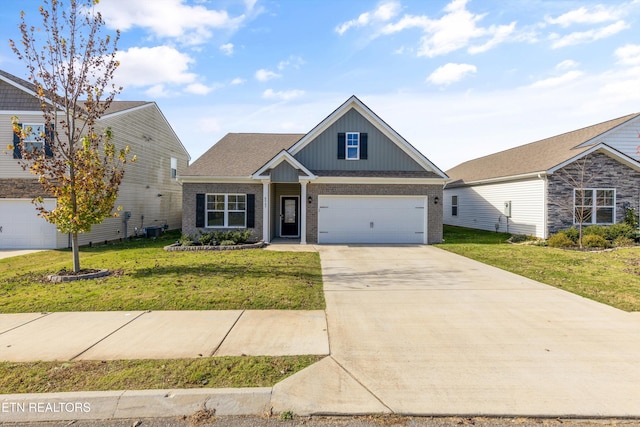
x=351 y=179
x=149 y=194
x=537 y=188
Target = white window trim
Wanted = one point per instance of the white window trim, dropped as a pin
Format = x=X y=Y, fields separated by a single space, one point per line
x=174 y=168
x=31 y=138
x=346 y=145
x=455 y=205
x=594 y=206
x=226 y=210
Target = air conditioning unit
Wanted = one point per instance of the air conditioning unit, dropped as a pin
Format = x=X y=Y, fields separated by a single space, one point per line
x=507 y=209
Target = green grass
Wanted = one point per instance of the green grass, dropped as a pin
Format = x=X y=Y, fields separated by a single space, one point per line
x=149 y=278
x=209 y=372
x=611 y=277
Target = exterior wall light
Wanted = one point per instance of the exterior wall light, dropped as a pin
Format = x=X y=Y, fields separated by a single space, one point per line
x=436 y=200
x=310 y=199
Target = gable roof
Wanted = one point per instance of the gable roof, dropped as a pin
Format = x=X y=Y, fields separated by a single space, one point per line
x=354 y=103
x=240 y=154
x=536 y=157
x=283 y=157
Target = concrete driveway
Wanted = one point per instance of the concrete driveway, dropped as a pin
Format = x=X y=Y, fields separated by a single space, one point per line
x=417 y=330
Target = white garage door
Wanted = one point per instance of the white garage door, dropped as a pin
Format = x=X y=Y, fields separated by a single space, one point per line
x=384 y=219
x=22 y=228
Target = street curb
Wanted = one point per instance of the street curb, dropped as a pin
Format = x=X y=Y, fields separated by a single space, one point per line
x=100 y=405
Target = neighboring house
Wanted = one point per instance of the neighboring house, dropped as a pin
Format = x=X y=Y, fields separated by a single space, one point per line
x=528 y=190
x=351 y=179
x=149 y=195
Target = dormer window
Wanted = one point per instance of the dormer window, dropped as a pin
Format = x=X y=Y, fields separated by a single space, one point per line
x=353 y=146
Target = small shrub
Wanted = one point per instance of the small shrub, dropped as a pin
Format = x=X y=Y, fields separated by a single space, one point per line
x=620 y=230
x=594 y=241
x=186 y=240
x=207 y=238
x=227 y=243
x=595 y=230
x=560 y=240
x=241 y=236
x=572 y=233
x=518 y=238
x=631 y=217
x=622 y=241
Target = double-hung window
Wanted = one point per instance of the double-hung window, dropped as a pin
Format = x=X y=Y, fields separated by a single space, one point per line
x=353 y=146
x=34 y=137
x=594 y=205
x=226 y=210
x=454 y=205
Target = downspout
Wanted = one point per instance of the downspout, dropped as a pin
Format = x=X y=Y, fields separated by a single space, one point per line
x=545 y=208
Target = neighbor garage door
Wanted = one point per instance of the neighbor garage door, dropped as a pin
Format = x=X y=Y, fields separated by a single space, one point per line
x=22 y=228
x=384 y=219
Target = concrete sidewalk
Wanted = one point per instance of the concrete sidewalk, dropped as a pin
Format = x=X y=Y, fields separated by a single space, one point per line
x=161 y=334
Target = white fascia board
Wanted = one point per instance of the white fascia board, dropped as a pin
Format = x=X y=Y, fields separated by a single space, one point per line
x=283 y=156
x=216 y=179
x=377 y=180
x=503 y=179
x=603 y=135
x=611 y=152
x=380 y=124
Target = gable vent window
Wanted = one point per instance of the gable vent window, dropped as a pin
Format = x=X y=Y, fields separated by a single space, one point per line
x=352 y=146
x=174 y=168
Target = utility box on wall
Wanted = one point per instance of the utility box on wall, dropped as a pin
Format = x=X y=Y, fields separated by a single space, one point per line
x=507 y=209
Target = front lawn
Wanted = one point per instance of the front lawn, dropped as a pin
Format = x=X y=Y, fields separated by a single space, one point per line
x=149 y=278
x=611 y=277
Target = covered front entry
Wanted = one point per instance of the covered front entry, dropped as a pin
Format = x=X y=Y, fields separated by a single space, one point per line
x=372 y=219
x=286 y=210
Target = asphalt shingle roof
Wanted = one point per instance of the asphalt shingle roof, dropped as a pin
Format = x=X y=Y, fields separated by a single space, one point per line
x=240 y=154
x=534 y=157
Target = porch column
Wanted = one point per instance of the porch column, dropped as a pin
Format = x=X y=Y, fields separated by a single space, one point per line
x=303 y=212
x=266 y=235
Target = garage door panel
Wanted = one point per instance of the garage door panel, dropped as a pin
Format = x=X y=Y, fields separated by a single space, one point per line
x=22 y=228
x=386 y=219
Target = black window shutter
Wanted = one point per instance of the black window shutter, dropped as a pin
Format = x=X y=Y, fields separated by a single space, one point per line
x=48 y=140
x=342 y=138
x=17 y=154
x=251 y=210
x=363 y=146
x=200 y=210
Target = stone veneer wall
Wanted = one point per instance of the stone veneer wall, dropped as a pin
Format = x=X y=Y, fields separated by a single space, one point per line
x=190 y=190
x=434 y=222
x=20 y=188
x=602 y=171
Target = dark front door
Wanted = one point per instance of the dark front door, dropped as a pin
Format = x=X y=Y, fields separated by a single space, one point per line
x=289 y=217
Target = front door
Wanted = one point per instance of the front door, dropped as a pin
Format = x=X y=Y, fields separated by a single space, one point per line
x=289 y=217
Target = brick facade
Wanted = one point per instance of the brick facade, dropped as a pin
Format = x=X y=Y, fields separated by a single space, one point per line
x=434 y=221
x=602 y=171
x=20 y=188
x=190 y=190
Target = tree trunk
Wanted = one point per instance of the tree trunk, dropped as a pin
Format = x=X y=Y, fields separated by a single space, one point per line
x=76 y=252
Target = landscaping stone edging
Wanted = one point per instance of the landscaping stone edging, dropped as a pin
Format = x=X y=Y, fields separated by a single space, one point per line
x=176 y=247
x=59 y=278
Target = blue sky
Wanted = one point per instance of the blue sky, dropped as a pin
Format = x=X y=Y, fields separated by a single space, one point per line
x=458 y=79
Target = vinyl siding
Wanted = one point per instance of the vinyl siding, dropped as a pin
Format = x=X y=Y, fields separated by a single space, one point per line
x=383 y=154
x=482 y=207
x=626 y=140
x=284 y=172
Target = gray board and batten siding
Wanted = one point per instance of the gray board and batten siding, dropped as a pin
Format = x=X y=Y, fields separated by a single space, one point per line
x=284 y=172
x=383 y=154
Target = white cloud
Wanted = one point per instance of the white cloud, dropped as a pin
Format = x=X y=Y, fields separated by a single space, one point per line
x=190 y=24
x=227 y=49
x=628 y=54
x=285 y=95
x=579 y=37
x=264 y=75
x=149 y=66
x=451 y=73
x=382 y=13
x=238 y=81
x=457 y=29
x=293 y=61
x=597 y=15
x=567 y=64
x=562 y=80
x=157 y=91
x=198 y=89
